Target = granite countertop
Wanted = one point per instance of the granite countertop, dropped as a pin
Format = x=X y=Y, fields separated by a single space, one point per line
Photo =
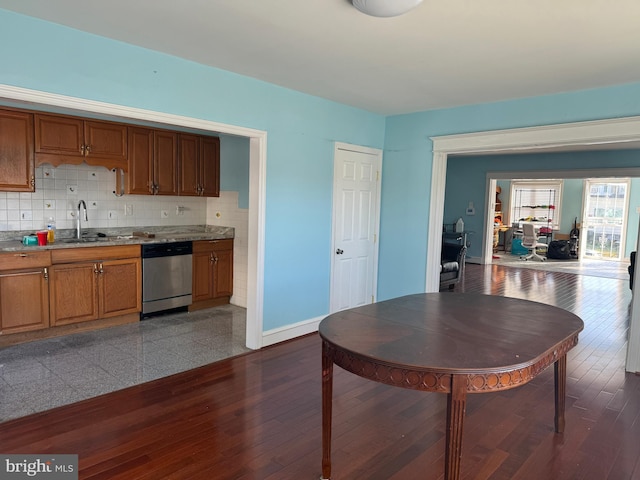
x=120 y=236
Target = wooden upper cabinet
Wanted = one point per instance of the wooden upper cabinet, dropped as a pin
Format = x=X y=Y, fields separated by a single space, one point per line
x=17 y=164
x=199 y=166
x=189 y=151
x=165 y=162
x=105 y=141
x=210 y=166
x=140 y=161
x=61 y=139
x=153 y=162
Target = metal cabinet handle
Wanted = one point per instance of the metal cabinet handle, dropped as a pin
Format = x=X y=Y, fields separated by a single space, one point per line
x=45 y=273
x=23 y=255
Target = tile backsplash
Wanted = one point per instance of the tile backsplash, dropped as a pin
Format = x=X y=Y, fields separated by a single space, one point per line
x=59 y=190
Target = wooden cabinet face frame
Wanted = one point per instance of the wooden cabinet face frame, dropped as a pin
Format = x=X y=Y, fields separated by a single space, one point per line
x=17 y=155
x=199 y=165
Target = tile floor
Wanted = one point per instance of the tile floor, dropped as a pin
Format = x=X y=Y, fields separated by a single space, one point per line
x=44 y=374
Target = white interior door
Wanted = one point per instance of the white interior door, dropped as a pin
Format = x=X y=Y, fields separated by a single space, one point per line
x=356 y=199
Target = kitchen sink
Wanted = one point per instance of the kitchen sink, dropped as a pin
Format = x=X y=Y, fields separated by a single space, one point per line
x=84 y=240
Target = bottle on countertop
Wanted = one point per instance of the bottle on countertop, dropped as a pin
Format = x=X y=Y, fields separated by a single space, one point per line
x=460 y=225
x=51 y=230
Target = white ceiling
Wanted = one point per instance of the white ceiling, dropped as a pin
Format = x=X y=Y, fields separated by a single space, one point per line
x=445 y=53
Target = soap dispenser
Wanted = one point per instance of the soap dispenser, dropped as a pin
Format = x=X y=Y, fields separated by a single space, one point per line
x=460 y=225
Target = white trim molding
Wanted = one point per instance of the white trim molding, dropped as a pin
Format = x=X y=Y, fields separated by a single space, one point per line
x=257 y=178
x=289 y=332
x=517 y=140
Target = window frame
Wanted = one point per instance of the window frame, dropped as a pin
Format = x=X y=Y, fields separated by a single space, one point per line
x=545 y=185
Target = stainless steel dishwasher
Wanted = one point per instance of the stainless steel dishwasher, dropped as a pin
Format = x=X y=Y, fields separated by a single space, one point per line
x=166 y=276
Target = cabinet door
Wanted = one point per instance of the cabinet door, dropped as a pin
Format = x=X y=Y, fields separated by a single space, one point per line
x=140 y=146
x=202 y=288
x=16 y=152
x=165 y=162
x=210 y=166
x=74 y=293
x=189 y=151
x=120 y=286
x=105 y=144
x=24 y=300
x=59 y=139
x=222 y=273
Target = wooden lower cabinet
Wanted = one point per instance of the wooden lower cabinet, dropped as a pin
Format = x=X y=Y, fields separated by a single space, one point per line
x=212 y=272
x=24 y=300
x=92 y=289
x=24 y=292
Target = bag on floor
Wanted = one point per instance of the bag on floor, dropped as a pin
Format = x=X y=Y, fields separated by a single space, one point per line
x=559 y=250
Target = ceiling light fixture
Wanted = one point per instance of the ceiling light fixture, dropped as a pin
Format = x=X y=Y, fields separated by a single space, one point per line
x=385 y=8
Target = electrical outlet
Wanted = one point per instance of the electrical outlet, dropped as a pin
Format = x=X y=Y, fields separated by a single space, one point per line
x=128 y=210
x=179 y=211
x=26 y=215
x=164 y=214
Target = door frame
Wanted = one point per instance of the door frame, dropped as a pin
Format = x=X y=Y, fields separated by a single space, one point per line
x=623 y=232
x=257 y=179
x=598 y=132
x=377 y=153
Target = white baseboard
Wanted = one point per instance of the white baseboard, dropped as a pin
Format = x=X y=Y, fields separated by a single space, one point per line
x=277 y=335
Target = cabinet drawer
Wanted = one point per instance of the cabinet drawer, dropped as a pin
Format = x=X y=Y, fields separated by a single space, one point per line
x=88 y=254
x=210 y=245
x=18 y=260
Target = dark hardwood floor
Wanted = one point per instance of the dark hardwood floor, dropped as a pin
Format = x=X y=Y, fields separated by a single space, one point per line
x=257 y=416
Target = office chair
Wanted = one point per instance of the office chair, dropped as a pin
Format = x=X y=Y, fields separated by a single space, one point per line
x=530 y=242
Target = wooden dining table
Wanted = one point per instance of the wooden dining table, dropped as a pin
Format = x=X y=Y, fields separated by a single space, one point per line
x=452 y=343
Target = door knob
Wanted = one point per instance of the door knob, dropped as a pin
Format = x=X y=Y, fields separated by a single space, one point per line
x=339 y=251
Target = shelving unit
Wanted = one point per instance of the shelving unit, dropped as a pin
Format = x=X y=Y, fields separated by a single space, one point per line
x=527 y=210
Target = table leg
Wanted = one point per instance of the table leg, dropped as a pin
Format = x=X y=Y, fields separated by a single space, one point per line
x=327 y=403
x=560 y=374
x=456 y=402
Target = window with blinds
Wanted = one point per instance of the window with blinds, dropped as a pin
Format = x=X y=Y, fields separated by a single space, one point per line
x=537 y=202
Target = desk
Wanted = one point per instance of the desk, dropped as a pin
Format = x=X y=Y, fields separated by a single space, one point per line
x=452 y=343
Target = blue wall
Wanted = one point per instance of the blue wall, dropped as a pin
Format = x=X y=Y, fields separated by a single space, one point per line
x=301 y=133
x=234 y=167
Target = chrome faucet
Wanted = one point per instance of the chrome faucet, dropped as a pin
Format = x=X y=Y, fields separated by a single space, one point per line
x=86 y=219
